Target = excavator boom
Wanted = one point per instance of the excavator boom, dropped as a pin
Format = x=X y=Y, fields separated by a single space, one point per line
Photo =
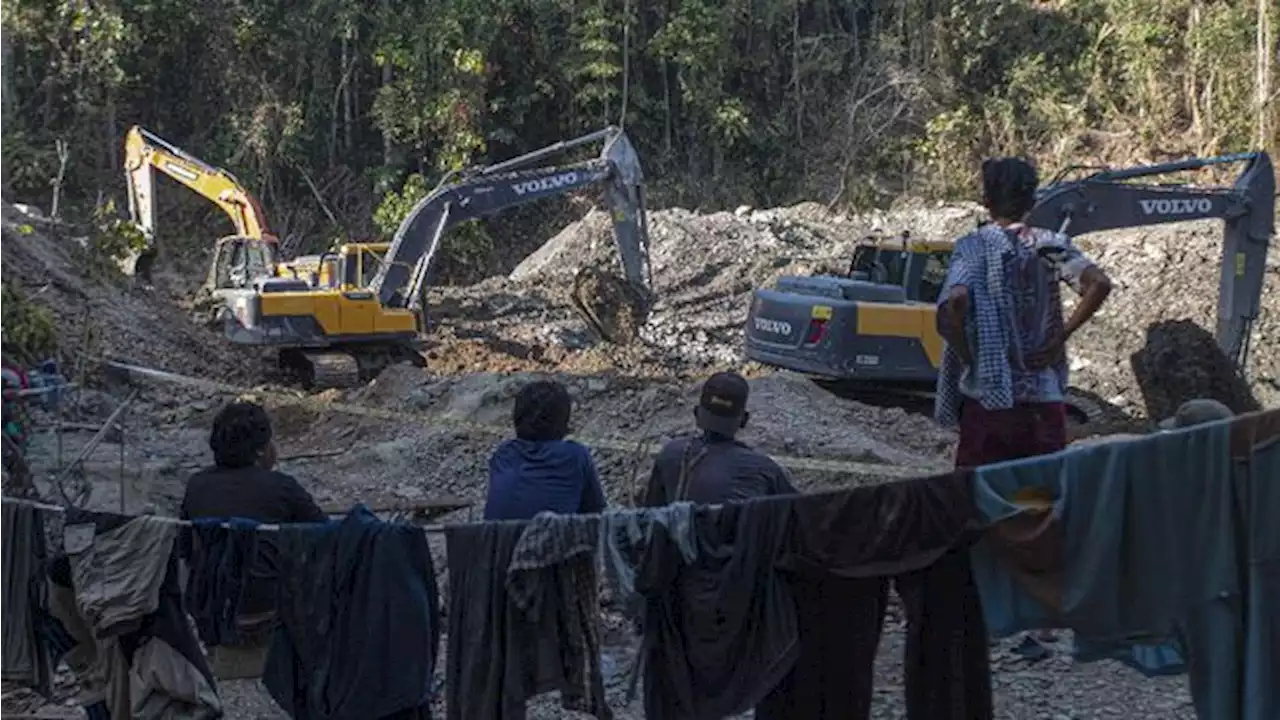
x=483 y=191
x=145 y=151
x=1113 y=199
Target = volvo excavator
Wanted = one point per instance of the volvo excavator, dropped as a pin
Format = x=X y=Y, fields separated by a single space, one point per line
x=252 y=251
x=337 y=334
x=876 y=326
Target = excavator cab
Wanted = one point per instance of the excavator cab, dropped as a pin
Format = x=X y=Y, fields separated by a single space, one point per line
x=238 y=261
x=348 y=267
x=918 y=267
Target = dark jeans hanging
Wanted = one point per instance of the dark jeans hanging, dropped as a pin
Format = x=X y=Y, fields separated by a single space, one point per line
x=848 y=547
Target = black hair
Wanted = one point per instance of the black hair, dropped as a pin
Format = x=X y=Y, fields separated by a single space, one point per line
x=542 y=411
x=241 y=432
x=1009 y=187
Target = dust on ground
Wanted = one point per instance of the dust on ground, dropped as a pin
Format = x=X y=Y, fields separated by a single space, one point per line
x=490 y=338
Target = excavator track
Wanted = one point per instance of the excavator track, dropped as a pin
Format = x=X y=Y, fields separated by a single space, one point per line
x=330 y=369
x=1084 y=411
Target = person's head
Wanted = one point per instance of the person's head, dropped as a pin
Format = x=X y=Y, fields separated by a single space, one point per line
x=542 y=411
x=722 y=407
x=1008 y=188
x=241 y=437
x=1196 y=412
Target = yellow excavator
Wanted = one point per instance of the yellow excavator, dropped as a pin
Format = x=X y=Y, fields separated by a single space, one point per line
x=252 y=251
x=341 y=317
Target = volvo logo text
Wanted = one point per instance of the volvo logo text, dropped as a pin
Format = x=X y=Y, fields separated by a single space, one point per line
x=547 y=183
x=777 y=327
x=1176 y=207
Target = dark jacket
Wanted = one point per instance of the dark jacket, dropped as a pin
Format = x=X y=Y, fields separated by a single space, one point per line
x=250 y=493
x=359 y=621
x=527 y=477
x=719 y=470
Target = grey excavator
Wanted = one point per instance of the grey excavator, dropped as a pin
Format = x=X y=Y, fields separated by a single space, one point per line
x=875 y=327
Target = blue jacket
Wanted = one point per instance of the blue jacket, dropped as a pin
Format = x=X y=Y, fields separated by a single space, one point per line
x=527 y=477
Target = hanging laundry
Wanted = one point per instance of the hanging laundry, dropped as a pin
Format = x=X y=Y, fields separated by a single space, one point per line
x=552 y=581
x=626 y=534
x=23 y=558
x=845 y=549
x=359 y=621
x=222 y=554
x=1127 y=543
x=115 y=593
x=1255 y=446
x=522 y=617
x=720 y=632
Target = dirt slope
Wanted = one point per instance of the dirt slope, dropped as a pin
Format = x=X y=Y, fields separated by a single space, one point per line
x=104 y=313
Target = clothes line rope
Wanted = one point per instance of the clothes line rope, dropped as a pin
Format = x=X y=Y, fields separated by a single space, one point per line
x=272 y=527
x=268 y=527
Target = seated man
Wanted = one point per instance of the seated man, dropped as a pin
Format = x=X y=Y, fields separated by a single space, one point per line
x=244 y=484
x=714 y=467
x=539 y=470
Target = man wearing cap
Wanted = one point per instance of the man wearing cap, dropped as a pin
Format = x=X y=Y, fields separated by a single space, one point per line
x=714 y=467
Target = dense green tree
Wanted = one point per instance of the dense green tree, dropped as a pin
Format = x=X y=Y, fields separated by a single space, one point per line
x=337 y=112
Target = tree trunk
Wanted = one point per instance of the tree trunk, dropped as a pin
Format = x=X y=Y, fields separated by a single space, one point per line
x=6 y=81
x=348 y=89
x=388 y=151
x=1263 y=82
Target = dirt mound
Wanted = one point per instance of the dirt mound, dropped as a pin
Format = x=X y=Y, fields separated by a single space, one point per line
x=1163 y=275
x=100 y=315
x=1181 y=361
x=790 y=417
x=705 y=267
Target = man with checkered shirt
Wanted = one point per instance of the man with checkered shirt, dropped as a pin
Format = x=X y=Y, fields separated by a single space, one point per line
x=1003 y=379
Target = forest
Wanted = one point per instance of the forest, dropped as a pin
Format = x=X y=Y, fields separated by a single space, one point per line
x=339 y=113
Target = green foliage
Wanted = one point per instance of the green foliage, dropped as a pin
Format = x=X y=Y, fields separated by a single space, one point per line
x=728 y=101
x=28 y=328
x=111 y=240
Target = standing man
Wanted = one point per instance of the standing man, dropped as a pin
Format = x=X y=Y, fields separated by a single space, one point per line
x=715 y=467
x=1003 y=379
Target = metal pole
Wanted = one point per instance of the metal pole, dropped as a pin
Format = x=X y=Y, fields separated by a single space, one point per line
x=93 y=443
x=124 y=492
x=548 y=150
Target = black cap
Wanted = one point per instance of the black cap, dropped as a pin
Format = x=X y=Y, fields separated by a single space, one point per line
x=723 y=403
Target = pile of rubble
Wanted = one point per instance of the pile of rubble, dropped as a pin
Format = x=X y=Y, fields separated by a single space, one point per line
x=705 y=267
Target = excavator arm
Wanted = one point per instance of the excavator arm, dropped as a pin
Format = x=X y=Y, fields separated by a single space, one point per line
x=1113 y=199
x=144 y=152
x=484 y=191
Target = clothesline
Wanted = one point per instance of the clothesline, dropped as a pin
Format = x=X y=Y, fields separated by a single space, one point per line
x=272 y=527
x=268 y=527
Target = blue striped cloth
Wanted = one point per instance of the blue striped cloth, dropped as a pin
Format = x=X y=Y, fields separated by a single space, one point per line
x=979 y=263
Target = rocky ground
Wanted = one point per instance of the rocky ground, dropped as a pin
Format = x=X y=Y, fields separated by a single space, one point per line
x=413 y=435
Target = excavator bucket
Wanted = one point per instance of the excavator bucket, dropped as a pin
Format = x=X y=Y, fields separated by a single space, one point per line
x=609 y=304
